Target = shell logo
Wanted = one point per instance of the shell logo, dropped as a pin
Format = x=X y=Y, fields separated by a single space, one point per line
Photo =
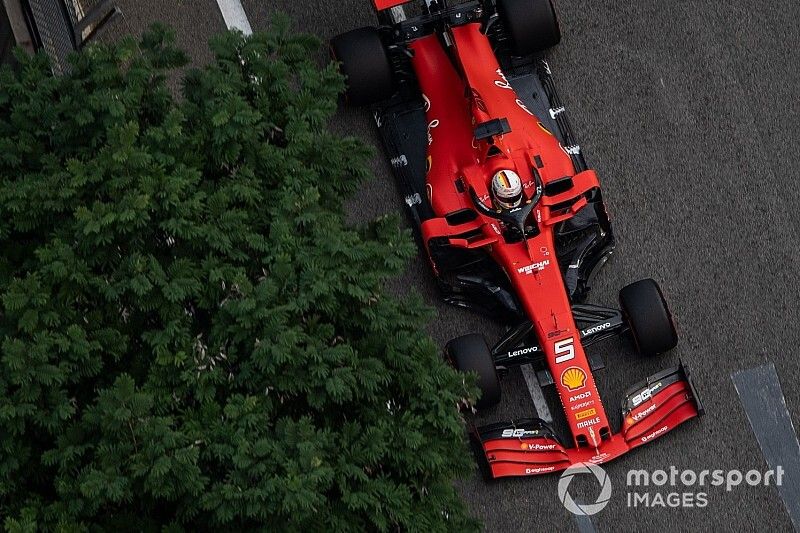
x=573 y=378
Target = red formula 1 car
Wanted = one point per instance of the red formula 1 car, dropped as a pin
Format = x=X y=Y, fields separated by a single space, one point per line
x=512 y=218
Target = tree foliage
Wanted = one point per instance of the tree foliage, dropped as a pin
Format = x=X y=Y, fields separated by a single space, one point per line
x=192 y=336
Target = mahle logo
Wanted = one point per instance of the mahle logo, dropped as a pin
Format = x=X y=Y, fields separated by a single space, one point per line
x=584 y=509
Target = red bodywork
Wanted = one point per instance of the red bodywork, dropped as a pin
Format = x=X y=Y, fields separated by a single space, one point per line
x=461 y=91
x=380 y=5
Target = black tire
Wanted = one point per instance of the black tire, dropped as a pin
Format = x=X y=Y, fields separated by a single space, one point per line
x=531 y=24
x=648 y=316
x=470 y=353
x=364 y=64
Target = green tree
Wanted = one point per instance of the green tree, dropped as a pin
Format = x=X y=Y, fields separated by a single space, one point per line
x=192 y=336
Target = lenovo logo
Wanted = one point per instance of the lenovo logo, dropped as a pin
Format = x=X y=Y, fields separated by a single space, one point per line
x=523 y=351
x=596 y=329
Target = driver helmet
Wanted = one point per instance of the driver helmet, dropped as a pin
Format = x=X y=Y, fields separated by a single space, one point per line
x=507 y=189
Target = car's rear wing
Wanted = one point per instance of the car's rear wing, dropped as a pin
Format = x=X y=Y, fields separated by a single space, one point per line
x=651 y=408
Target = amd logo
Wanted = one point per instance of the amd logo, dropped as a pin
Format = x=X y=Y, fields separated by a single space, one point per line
x=581 y=396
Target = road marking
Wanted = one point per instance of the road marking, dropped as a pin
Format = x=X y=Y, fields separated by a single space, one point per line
x=234 y=16
x=585 y=524
x=536 y=393
x=760 y=392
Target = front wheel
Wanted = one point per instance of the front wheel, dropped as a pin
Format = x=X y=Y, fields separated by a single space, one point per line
x=648 y=317
x=470 y=353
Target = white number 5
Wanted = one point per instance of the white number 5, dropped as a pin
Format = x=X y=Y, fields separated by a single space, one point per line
x=565 y=350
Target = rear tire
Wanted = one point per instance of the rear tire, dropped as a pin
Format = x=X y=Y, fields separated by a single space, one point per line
x=364 y=64
x=470 y=353
x=648 y=316
x=531 y=24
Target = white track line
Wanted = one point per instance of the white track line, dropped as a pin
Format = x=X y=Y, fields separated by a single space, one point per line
x=584 y=523
x=760 y=392
x=536 y=393
x=234 y=16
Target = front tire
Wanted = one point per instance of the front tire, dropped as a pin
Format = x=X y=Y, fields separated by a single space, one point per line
x=470 y=353
x=531 y=24
x=364 y=64
x=648 y=317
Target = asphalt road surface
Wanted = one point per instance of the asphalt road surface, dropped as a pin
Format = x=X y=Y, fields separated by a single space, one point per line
x=688 y=111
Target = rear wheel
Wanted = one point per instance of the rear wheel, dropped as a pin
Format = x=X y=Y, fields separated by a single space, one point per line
x=531 y=24
x=470 y=353
x=364 y=64
x=648 y=316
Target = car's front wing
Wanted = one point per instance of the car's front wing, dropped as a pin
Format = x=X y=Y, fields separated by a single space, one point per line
x=651 y=409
